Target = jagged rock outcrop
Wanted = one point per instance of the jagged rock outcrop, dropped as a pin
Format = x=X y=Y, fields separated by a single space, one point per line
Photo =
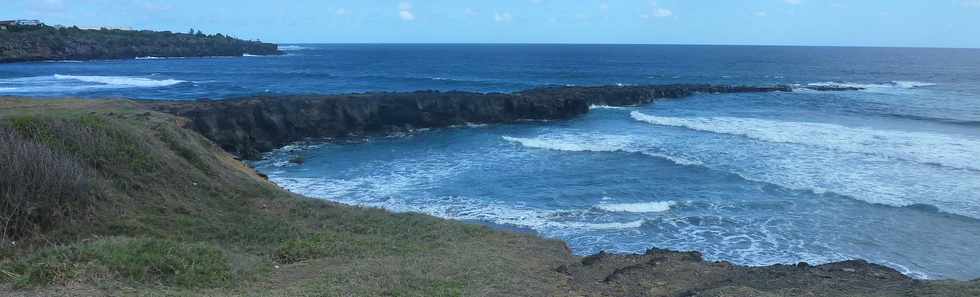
x=669 y=273
x=252 y=125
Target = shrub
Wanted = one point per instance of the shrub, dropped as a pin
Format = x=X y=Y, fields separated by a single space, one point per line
x=39 y=188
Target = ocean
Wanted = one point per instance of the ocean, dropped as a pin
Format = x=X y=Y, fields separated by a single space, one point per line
x=890 y=174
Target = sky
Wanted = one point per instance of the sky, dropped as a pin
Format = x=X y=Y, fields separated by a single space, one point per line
x=917 y=23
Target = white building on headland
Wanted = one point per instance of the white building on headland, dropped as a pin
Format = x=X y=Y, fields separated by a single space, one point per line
x=11 y=23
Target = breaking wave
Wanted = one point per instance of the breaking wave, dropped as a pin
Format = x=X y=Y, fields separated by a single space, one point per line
x=875 y=87
x=128 y=81
x=293 y=48
x=59 y=83
x=641 y=207
x=366 y=191
x=921 y=147
x=594 y=106
x=597 y=143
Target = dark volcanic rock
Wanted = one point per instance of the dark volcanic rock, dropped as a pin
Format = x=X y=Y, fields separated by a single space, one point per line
x=249 y=126
x=668 y=273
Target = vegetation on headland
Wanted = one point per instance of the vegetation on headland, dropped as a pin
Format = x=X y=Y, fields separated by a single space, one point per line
x=107 y=198
x=38 y=43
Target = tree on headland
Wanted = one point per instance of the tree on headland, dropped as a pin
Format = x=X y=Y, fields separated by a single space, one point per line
x=50 y=43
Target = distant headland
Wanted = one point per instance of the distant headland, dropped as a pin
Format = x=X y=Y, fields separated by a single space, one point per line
x=32 y=40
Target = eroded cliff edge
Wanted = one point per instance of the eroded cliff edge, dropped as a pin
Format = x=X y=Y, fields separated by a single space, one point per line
x=250 y=126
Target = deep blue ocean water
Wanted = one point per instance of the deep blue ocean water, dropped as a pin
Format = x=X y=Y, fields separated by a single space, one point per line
x=890 y=174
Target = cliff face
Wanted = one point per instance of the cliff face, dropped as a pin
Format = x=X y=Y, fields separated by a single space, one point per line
x=20 y=44
x=249 y=126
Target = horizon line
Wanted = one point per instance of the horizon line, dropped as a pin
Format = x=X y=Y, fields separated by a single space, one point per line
x=624 y=44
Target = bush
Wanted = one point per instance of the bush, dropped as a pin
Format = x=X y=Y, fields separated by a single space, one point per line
x=39 y=188
x=149 y=261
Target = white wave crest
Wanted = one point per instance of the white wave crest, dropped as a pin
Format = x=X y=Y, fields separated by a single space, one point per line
x=921 y=147
x=912 y=84
x=127 y=81
x=594 y=106
x=292 y=48
x=596 y=143
x=77 y=83
x=606 y=143
x=642 y=207
x=604 y=226
x=365 y=191
x=875 y=87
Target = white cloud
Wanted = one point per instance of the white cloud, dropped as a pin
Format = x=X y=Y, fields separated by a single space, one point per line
x=502 y=17
x=341 y=11
x=793 y=2
x=970 y=3
x=760 y=13
x=405 y=11
x=406 y=15
x=657 y=11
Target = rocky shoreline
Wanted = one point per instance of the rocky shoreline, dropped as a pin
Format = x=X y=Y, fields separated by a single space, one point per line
x=250 y=126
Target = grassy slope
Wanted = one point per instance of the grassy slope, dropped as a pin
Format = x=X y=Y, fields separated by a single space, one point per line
x=172 y=214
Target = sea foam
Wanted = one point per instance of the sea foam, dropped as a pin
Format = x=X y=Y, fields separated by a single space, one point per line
x=888 y=87
x=921 y=147
x=78 y=83
x=128 y=81
x=292 y=48
x=597 y=143
x=641 y=207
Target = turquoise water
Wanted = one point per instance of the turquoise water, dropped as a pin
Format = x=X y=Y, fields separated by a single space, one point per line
x=889 y=174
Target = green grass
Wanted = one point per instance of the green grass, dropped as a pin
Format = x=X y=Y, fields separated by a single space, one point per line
x=144 y=260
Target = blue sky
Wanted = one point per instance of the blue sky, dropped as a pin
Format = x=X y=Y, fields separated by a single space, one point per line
x=931 y=23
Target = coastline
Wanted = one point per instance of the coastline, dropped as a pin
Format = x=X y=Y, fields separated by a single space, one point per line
x=250 y=126
x=654 y=273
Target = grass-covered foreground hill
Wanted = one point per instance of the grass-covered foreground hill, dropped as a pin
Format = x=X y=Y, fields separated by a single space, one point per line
x=38 y=43
x=107 y=198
